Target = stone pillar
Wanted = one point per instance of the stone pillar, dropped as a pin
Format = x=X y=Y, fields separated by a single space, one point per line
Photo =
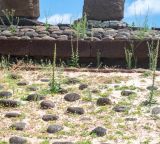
x=23 y=8
x=104 y=10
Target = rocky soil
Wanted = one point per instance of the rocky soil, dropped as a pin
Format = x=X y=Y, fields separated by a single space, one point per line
x=93 y=108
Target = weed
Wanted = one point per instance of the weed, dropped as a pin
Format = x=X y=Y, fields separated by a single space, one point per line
x=98 y=59
x=55 y=86
x=81 y=27
x=5 y=62
x=153 y=52
x=84 y=142
x=75 y=55
x=3 y=142
x=10 y=17
x=45 y=142
x=129 y=55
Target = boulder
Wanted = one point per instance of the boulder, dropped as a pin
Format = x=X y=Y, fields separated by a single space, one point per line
x=104 y=10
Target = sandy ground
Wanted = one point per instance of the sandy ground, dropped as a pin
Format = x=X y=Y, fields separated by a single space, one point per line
x=145 y=130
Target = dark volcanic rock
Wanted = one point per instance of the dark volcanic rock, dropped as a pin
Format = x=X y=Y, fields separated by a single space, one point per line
x=54 y=128
x=45 y=80
x=99 y=131
x=152 y=87
x=120 y=108
x=32 y=88
x=47 y=104
x=35 y=97
x=22 y=83
x=75 y=110
x=127 y=93
x=9 y=103
x=12 y=114
x=5 y=94
x=49 y=117
x=103 y=101
x=83 y=86
x=72 y=81
x=17 y=140
x=156 y=110
x=131 y=119
x=104 y=9
x=14 y=76
x=72 y=97
x=18 y=126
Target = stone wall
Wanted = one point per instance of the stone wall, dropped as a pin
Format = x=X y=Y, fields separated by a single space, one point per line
x=23 y=8
x=104 y=10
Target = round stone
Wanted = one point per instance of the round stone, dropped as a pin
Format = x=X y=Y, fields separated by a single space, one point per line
x=14 y=76
x=5 y=94
x=103 y=101
x=120 y=108
x=18 y=126
x=71 y=97
x=50 y=117
x=99 y=131
x=17 y=140
x=45 y=80
x=47 y=104
x=32 y=88
x=131 y=119
x=83 y=86
x=72 y=81
x=54 y=128
x=12 y=114
x=75 y=110
x=22 y=83
x=127 y=93
x=152 y=88
x=35 y=97
x=9 y=103
x=156 y=111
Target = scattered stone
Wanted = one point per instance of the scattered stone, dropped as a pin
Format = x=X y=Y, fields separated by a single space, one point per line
x=152 y=87
x=9 y=103
x=63 y=91
x=54 y=128
x=31 y=34
x=17 y=140
x=18 y=126
x=120 y=108
x=99 y=131
x=131 y=119
x=14 y=76
x=32 y=88
x=12 y=114
x=75 y=110
x=7 y=33
x=103 y=101
x=50 y=117
x=35 y=97
x=62 y=37
x=156 y=110
x=72 y=81
x=22 y=83
x=47 y=104
x=45 y=80
x=71 y=97
x=5 y=94
x=127 y=93
x=83 y=86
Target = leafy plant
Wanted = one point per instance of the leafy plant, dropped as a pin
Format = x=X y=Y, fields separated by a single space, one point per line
x=153 y=54
x=81 y=27
x=11 y=19
x=74 y=62
x=129 y=56
x=55 y=86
